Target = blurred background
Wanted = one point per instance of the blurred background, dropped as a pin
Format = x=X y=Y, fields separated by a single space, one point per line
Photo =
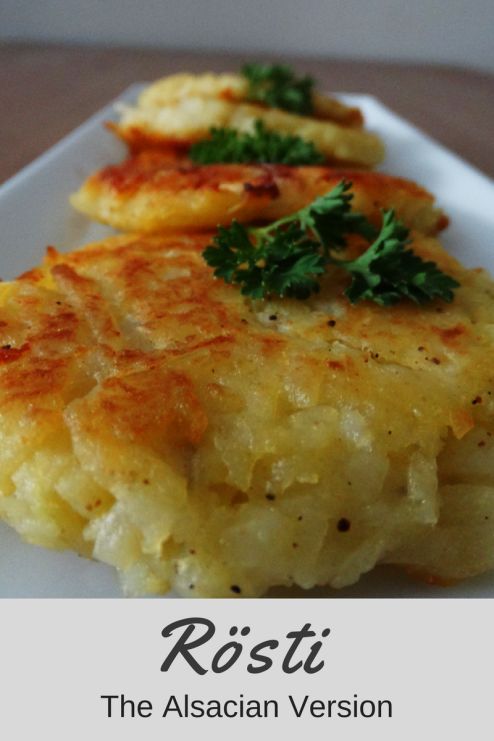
x=447 y=31
x=430 y=60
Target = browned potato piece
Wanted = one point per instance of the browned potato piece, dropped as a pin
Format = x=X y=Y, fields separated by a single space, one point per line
x=153 y=192
x=156 y=419
x=233 y=87
x=191 y=119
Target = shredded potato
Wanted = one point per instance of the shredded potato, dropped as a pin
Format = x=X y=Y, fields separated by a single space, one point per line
x=234 y=87
x=180 y=110
x=155 y=419
x=156 y=192
x=190 y=119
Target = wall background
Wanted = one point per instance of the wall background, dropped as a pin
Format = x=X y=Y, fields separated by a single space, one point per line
x=444 y=31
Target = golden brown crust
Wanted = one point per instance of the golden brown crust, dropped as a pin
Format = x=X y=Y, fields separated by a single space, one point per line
x=154 y=418
x=234 y=88
x=164 y=192
x=186 y=120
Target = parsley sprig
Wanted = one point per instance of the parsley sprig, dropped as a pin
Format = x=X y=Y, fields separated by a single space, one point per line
x=262 y=145
x=287 y=257
x=387 y=272
x=276 y=85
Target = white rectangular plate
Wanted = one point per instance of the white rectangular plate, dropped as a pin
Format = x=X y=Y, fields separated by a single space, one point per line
x=34 y=212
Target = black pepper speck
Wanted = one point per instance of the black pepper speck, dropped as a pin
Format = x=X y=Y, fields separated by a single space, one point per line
x=343 y=525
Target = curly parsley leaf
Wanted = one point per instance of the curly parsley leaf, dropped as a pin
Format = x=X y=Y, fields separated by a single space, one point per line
x=387 y=272
x=277 y=86
x=284 y=264
x=285 y=258
x=228 y=145
x=329 y=218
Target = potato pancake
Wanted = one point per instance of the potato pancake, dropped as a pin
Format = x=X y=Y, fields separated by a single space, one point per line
x=234 y=88
x=186 y=120
x=153 y=192
x=154 y=418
